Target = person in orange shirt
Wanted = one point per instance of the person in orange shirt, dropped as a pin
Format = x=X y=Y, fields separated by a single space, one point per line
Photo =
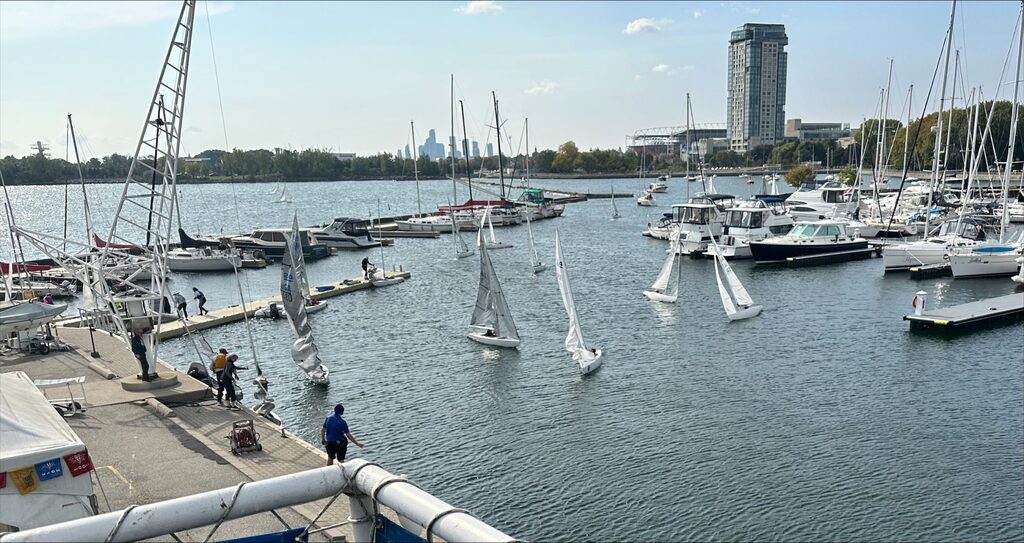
x=219 y=363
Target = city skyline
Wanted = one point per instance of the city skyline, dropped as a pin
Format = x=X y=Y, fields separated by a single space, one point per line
x=626 y=66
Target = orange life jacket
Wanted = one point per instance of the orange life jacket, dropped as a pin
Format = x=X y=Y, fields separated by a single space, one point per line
x=220 y=361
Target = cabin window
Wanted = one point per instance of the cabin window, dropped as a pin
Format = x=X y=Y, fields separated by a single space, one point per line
x=830 y=231
x=756 y=220
x=277 y=237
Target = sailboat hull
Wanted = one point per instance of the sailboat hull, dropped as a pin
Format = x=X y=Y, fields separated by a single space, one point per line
x=659 y=297
x=746 y=313
x=464 y=254
x=495 y=246
x=590 y=366
x=479 y=337
x=386 y=282
x=316 y=308
x=537 y=268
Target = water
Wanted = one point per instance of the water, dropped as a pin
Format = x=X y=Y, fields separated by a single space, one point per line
x=822 y=419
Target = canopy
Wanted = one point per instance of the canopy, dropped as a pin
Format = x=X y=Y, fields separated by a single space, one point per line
x=34 y=436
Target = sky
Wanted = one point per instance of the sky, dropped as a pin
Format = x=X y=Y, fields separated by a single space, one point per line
x=350 y=76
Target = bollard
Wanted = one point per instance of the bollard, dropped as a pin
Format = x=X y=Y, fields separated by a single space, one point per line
x=920 y=297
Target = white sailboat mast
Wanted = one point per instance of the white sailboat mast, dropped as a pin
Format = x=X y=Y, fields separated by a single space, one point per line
x=415 y=167
x=939 y=124
x=1004 y=221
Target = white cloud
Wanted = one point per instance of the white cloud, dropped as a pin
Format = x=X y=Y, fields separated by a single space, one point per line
x=661 y=68
x=480 y=6
x=544 y=87
x=26 y=19
x=645 y=24
x=697 y=13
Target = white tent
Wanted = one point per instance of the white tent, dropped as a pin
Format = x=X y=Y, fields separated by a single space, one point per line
x=33 y=435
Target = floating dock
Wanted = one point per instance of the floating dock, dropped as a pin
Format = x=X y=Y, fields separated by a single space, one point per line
x=234 y=313
x=941 y=269
x=970 y=316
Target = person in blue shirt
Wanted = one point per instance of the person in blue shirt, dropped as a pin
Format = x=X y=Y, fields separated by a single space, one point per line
x=335 y=436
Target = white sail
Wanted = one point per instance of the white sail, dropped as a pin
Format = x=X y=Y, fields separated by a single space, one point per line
x=615 y=210
x=304 y=351
x=491 y=310
x=730 y=307
x=490 y=225
x=739 y=293
x=460 y=244
x=661 y=283
x=574 y=339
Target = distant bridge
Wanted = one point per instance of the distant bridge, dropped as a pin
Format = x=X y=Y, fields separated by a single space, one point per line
x=674 y=135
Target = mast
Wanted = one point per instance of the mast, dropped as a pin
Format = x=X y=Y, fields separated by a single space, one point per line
x=465 y=150
x=451 y=103
x=527 y=121
x=1013 y=134
x=938 y=129
x=415 y=167
x=383 y=268
x=906 y=134
x=497 y=126
x=688 y=153
x=89 y=232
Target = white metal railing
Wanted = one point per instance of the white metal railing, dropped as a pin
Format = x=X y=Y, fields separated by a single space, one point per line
x=367 y=485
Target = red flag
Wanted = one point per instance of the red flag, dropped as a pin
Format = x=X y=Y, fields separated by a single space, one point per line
x=78 y=463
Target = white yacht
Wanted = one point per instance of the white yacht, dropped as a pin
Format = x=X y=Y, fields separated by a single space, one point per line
x=697 y=224
x=752 y=220
x=202 y=259
x=347 y=233
x=954 y=235
x=805 y=239
x=828 y=200
x=986 y=260
x=657 y=186
x=271 y=242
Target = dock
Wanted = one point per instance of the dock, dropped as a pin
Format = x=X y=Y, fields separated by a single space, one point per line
x=970 y=316
x=941 y=269
x=234 y=313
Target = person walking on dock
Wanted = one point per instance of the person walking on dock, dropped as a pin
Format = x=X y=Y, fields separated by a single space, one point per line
x=218 y=364
x=227 y=380
x=202 y=301
x=335 y=436
x=182 y=305
x=139 y=350
x=367 y=265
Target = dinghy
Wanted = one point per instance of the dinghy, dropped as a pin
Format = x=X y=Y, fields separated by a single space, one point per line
x=491 y=323
x=293 y=276
x=494 y=243
x=647 y=200
x=461 y=249
x=538 y=266
x=736 y=300
x=615 y=210
x=588 y=360
x=664 y=289
x=378 y=277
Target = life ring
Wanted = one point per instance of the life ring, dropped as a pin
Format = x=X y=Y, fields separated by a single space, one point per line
x=913 y=303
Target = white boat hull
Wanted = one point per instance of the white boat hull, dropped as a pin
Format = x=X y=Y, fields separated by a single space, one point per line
x=496 y=341
x=464 y=254
x=537 y=268
x=202 y=263
x=746 y=313
x=316 y=308
x=659 y=297
x=386 y=282
x=499 y=245
x=590 y=366
x=731 y=252
x=646 y=202
x=904 y=257
x=984 y=265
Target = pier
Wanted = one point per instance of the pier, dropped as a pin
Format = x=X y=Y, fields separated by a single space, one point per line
x=970 y=316
x=234 y=313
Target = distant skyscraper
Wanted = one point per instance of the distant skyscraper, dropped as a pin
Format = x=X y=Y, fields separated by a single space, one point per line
x=398 y=153
x=408 y=153
x=757 y=86
x=490 y=150
x=476 y=149
x=432 y=148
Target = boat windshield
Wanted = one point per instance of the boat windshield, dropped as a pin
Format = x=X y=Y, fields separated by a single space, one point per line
x=744 y=219
x=693 y=215
x=803 y=230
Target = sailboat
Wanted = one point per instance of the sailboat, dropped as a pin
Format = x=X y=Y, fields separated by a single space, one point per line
x=538 y=266
x=615 y=210
x=284 y=198
x=491 y=323
x=664 y=289
x=736 y=300
x=588 y=360
x=461 y=249
x=293 y=276
x=380 y=278
x=494 y=243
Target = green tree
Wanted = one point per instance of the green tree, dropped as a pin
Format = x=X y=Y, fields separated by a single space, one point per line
x=848 y=175
x=799 y=175
x=565 y=158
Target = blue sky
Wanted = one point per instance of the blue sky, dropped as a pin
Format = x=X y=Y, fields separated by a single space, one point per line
x=350 y=76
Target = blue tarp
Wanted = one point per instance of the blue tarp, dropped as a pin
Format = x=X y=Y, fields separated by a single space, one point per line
x=290 y=536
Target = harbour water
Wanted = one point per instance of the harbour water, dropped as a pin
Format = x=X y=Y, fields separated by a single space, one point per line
x=822 y=419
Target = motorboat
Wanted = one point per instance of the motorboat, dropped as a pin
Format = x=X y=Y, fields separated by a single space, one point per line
x=954 y=235
x=827 y=200
x=543 y=206
x=646 y=200
x=503 y=212
x=656 y=186
x=24 y=316
x=805 y=239
x=347 y=233
x=661 y=229
x=697 y=224
x=202 y=260
x=26 y=288
x=275 y=310
x=752 y=220
x=272 y=242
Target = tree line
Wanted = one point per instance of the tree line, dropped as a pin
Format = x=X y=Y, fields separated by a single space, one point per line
x=321 y=164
